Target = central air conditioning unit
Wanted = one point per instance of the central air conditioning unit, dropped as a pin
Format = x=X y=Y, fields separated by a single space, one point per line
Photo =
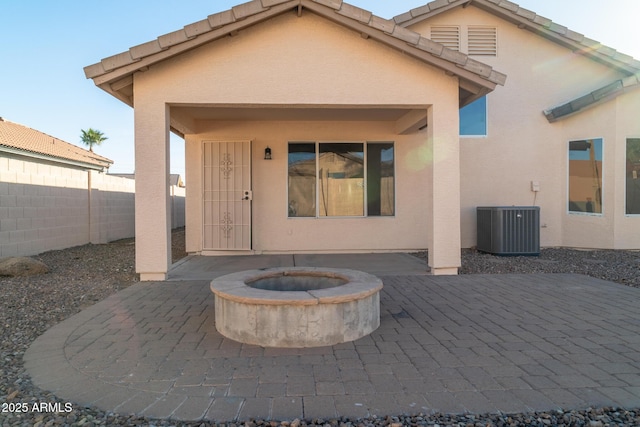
x=509 y=230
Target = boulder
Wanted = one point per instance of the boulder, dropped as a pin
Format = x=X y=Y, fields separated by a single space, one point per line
x=22 y=266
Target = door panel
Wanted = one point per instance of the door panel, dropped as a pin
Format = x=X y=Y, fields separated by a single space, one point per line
x=227 y=195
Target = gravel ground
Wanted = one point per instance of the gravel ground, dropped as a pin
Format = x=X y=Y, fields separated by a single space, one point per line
x=84 y=275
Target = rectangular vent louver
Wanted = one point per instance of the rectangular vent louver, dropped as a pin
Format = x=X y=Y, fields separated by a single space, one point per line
x=449 y=36
x=509 y=230
x=483 y=41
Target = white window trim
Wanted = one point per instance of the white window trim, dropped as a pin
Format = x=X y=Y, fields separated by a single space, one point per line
x=602 y=187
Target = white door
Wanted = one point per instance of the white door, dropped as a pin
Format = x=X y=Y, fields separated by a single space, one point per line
x=227 y=195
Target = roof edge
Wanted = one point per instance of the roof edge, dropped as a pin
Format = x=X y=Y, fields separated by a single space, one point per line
x=597 y=97
x=527 y=19
x=112 y=70
x=42 y=156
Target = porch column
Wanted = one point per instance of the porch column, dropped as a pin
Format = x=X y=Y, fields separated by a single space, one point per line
x=153 y=213
x=444 y=218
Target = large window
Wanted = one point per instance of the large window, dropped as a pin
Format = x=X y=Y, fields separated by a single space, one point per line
x=473 y=118
x=585 y=176
x=341 y=179
x=633 y=177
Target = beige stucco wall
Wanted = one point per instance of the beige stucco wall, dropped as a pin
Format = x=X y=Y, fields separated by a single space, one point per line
x=522 y=146
x=273 y=231
x=297 y=62
x=46 y=206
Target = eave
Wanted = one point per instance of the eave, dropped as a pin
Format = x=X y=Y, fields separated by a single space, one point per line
x=592 y=99
x=115 y=74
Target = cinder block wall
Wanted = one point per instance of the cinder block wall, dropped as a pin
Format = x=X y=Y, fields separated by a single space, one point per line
x=46 y=206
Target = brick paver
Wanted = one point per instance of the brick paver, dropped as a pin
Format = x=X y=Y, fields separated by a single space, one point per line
x=477 y=343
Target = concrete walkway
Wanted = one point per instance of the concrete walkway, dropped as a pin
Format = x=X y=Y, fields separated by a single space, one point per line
x=477 y=343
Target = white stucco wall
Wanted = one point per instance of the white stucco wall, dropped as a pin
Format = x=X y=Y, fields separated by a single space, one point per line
x=522 y=146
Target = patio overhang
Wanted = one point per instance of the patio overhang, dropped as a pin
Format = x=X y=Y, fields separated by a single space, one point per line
x=405 y=118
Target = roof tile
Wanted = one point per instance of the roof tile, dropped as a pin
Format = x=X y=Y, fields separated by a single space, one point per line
x=333 y=4
x=526 y=13
x=221 y=19
x=145 y=49
x=430 y=46
x=498 y=77
x=118 y=60
x=619 y=56
x=400 y=19
x=197 y=28
x=23 y=138
x=245 y=10
x=541 y=20
x=418 y=11
x=355 y=12
x=478 y=67
x=437 y=4
x=575 y=36
x=381 y=24
x=631 y=80
x=173 y=38
x=557 y=28
x=505 y=4
x=454 y=56
x=407 y=35
x=269 y=3
x=93 y=70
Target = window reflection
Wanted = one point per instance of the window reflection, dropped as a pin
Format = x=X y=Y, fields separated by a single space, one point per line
x=633 y=176
x=585 y=176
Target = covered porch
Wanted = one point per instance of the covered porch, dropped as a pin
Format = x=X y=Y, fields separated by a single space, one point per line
x=321 y=75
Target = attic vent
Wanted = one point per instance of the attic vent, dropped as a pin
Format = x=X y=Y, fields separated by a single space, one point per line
x=449 y=36
x=483 y=41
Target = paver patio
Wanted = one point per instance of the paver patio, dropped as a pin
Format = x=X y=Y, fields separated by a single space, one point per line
x=476 y=343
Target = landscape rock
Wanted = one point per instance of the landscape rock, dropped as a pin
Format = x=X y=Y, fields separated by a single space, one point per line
x=22 y=266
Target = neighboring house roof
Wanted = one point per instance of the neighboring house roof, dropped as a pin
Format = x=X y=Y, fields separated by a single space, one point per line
x=578 y=43
x=19 y=139
x=115 y=74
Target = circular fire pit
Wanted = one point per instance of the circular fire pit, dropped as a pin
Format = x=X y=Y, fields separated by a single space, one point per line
x=297 y=306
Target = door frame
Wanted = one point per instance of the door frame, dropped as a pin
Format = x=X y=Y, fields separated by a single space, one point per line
x=242 y=198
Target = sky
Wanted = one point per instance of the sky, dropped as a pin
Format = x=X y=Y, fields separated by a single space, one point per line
x=45 y=44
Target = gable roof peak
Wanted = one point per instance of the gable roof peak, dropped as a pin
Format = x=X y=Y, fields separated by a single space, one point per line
x=527 y=19
x=114 y=74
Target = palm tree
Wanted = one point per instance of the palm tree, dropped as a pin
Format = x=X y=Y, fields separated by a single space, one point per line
x=92 y=137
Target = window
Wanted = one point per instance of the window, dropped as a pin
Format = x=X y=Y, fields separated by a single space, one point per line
x=473 y=118
x=448 y=35
x=585 y=176
x=341 y=179
x=483 y=41
x=633 y=177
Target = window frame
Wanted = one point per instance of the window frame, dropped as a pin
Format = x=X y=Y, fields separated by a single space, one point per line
x=626 y=184
x=486 y=120
x=317 y=201
x=601 y=173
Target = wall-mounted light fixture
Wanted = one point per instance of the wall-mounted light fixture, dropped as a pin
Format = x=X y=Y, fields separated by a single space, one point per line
x=267 y=153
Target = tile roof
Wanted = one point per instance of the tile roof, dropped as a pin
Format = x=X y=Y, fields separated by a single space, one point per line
x=591 y=99
x=531 y=21
x=113 y=74
x=24 y=140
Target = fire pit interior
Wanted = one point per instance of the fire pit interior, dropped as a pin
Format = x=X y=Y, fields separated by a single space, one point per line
x=297 y=306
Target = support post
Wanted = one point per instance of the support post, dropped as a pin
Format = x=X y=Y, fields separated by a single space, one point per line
x=444 y=219
x=153 y=213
